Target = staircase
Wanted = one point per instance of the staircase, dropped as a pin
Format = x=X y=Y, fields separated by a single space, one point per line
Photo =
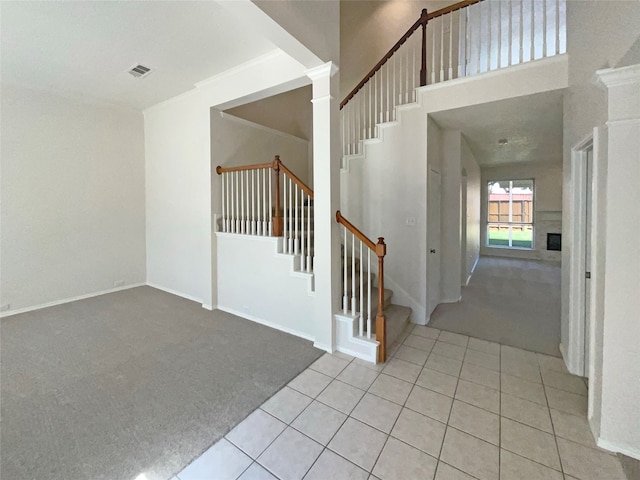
x=468 y=38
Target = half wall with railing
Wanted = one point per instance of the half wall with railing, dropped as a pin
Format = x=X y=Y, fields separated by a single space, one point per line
x=464 y=39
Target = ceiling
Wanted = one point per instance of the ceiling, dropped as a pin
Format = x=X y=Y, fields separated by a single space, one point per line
x=532 y=126
x=84 y=49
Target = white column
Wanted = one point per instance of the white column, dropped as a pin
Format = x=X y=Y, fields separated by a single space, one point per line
x=326 y=186
x=617 y=350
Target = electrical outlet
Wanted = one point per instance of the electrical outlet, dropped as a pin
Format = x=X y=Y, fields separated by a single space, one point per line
x=411 y=221
x=5 y=307
x=118 y=283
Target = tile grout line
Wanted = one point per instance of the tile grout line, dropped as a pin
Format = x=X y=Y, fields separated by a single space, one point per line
x=450 y=410
x=290 y=423
x=500 y=412
x=396 y=420
x=553 y=428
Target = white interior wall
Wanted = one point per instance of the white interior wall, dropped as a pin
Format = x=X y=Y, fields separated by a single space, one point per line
x=599 y=34
x=450 y=225
x=547 y=205
x=257 y=283
x=289 y=112
x=178 y=174
x=235 y=141
x=472 y=247
x=72 y=198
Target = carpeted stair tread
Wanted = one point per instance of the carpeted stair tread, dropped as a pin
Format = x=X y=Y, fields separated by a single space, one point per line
x=397 y=318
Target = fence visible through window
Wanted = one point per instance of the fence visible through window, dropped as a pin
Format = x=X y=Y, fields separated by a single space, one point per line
x=510 y=213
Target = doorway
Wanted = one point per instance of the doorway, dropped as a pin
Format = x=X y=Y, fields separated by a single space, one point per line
x=576 y=349
x=433 y=240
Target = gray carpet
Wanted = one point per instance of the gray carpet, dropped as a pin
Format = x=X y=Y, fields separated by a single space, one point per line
x=511 y=301
x=134 y=382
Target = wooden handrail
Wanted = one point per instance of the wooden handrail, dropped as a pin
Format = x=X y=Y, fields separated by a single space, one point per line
x=277 y=166
x=380 y=249
x=389 y=54
x=220 y=169
x=422 y=21
x=295 y=179
x=361 y=236
x=452 y=8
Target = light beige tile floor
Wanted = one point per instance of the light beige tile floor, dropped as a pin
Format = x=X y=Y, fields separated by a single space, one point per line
x=443 y=407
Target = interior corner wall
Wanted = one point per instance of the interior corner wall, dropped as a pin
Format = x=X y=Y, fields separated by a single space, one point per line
x=547 y=204
x=472 y=247
x=73 y=201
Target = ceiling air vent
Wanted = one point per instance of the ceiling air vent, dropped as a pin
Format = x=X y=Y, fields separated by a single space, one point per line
x=139 y=71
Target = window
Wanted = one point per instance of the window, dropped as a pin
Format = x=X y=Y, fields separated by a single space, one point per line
x=510 y=214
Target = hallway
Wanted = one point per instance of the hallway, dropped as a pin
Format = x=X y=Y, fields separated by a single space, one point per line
x=509 y=301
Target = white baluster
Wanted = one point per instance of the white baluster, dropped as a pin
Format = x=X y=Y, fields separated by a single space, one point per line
x=510 y=39
x=369 y=293
x=521 y=32
x=562 y=29
x=407 y=80
x=224 y=221
x=270 y=212
x=533 y=31
x=253 y=203
x=309 y=264
x=557 y=32
x=388 y=64
x=450 y=46
x=544 y=28
x=393 y=90
x=285 y=235
x=345 y=294
x=353 y=274
x=375 y=104
x=414 y=79
x=463 y=34
x=296 y=225
x=479 y=67
x=361 y=292
x=499 y=36
x=489 y=37
x=303 y=257
x=233 y=203
x=291 y=232
x=442 y=48
x=433 y=52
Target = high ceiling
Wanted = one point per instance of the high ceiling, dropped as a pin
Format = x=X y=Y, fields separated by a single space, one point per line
x=84 y=49
x=532 y=126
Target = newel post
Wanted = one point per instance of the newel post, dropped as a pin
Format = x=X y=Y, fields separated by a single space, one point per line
x=381 y=324
x=423 y=64
x=277 y=215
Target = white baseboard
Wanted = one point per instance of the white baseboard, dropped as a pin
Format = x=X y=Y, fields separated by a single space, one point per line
x=175 y=292
x=612 y=447
x=207 y=307
x=267 y=323
x=9 y=313
x=322 y=346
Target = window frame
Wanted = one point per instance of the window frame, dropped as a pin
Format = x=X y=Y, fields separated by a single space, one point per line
x=510 y=224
